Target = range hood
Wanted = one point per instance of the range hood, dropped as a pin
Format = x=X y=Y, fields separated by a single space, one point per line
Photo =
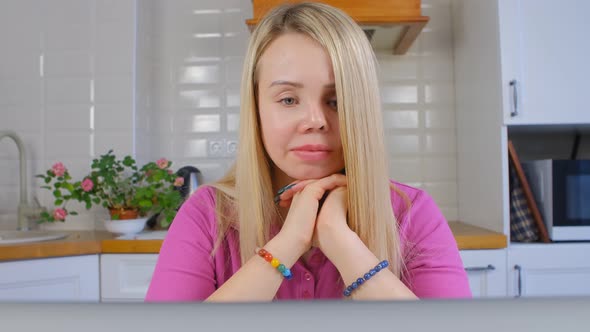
x=391 y=25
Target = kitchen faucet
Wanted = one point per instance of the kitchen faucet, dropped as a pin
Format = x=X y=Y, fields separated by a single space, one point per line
x=24 y=209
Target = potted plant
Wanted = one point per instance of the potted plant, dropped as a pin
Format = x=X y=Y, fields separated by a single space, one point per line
x=119 y=185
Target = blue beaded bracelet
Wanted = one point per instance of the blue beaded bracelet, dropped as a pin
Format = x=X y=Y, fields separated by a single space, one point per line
x=366 y=277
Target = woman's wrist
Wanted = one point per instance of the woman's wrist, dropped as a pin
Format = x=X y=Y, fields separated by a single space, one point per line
x=286 y=248
x=333 y=241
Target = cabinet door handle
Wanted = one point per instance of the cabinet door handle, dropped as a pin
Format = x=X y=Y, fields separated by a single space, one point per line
x=514 y=87
x=490 y=267
x=519 y=269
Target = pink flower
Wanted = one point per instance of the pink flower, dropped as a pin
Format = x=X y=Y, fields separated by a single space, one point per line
x=59 y=214
x=162 y=163
x=178 y=182
x=170 y=171
x=58 y=169
x=87 y=185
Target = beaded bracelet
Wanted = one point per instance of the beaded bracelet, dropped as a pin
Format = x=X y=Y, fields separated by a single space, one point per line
x=275 y=263
x=366 y=277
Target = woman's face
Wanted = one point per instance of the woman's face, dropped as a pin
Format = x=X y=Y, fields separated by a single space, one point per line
x=298 y=109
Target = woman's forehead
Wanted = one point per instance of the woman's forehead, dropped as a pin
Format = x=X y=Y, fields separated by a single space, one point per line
x=295 y=58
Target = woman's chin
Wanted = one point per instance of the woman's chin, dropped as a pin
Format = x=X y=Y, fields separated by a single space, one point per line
x=303 y=174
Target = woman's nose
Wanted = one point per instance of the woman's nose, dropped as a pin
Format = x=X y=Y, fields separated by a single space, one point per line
x=315 y=118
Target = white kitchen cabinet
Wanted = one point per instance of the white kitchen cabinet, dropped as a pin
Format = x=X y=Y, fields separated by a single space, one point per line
x=126 y=277
x=63 y=279
x=544 y=48
x=557 y=269
x=542 y=45
x=486 y=270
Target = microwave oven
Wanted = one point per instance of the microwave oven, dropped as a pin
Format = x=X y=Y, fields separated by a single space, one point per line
x=561 y=189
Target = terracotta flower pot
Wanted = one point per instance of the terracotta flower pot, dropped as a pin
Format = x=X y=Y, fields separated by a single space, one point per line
x=123 y=214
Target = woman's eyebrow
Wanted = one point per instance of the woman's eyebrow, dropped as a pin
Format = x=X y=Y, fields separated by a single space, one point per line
x=293 y=84
x=297 y=84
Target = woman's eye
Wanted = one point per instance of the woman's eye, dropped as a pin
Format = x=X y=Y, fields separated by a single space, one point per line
x=333 y=103
x=288 y=101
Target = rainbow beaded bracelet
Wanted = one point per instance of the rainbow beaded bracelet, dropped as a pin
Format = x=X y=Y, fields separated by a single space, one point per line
x=275 y=263
x=366 y=277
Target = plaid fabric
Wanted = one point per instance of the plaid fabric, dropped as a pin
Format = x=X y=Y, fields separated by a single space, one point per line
x=522 y=224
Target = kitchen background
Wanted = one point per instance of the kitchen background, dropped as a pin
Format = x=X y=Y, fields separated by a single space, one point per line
x=161 y=79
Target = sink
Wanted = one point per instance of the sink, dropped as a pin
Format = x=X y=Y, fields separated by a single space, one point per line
x=12 y=237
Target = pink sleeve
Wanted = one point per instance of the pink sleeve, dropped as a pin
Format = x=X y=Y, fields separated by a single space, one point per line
x=185 y=268
x=434 y=266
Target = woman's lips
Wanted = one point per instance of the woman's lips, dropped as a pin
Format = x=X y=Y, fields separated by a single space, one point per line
x=312 y=152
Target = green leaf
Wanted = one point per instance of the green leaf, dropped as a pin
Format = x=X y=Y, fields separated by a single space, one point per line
x=57 y=185
x=46 y=187
x=47 y=179
x=128 y=161
x=158 y=176
x=145 y=203
x=57 y=193
x=58 y=202
x=44 y=215
x=96 y=200
x=73 y=213
x=88 y=205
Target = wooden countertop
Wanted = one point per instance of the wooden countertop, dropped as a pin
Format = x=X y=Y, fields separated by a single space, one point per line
x=472 y=237
x=101 y=242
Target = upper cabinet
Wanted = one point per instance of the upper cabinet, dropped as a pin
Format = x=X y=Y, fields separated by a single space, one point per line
x=391 y=25
x=544 y=48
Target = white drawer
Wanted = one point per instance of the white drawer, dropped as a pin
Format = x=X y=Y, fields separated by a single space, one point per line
x=59 y=279
x=126 y=277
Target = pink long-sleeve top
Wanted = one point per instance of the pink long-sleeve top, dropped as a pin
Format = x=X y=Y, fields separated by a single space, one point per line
x=186 y=271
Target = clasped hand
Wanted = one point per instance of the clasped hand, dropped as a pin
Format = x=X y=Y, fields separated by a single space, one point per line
x=315 y=225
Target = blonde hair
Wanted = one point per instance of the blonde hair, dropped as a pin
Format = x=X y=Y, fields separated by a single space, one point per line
x=245 y=193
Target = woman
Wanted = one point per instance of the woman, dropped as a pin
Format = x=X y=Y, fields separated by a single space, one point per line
x=309 y=186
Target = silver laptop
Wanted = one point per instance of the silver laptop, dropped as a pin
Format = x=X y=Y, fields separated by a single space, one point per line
x=536 y=314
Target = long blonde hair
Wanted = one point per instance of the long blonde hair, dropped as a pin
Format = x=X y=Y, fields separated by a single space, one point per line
x=245 y=193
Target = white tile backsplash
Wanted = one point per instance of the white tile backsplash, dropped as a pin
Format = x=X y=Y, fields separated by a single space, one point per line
x=403 y=144
x=21 y=92
x=114 y=10
x=61 y=12
x=398 y=119
x=113 y=117
x=199 y=74
x=161 y=79
x=60 y=36
x=67 y=117
x=67 y=64
x=18 y=64
x=121 y=142
x=399 y=94
x=21 y=118
x=67 y=144
x=440 y=143
x=114 y=89
x=68 y=90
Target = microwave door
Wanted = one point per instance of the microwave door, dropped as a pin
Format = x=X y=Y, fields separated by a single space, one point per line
x=571 y=195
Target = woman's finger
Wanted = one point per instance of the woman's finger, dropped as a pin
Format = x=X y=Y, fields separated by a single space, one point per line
x=319 y=187
x=290 y=191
